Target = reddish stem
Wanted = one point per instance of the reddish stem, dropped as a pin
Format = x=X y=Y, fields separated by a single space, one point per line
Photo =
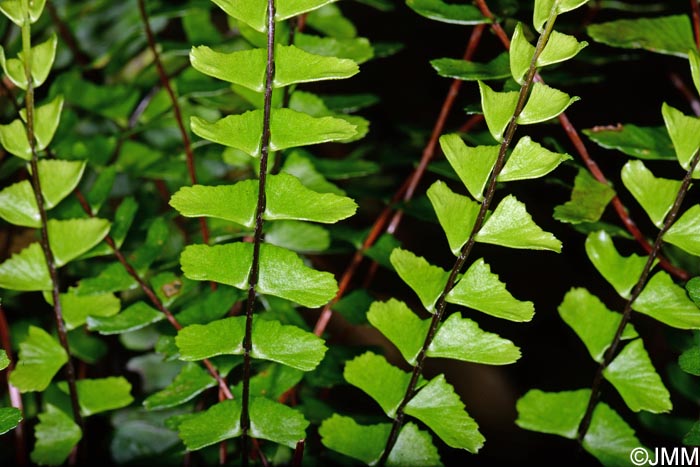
x=696 y=21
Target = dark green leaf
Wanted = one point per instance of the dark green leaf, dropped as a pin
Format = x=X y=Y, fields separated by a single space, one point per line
x=137 y=316
x=689 y=361
x=589 y=199
x=272 y=381
x=665 y=34
x=9 y=419
x=382 y=381
x=191 y=382
x=209 y=307
x=641 y=142
x=446 y=12
x=692 y=438
x=354 y=306
x=438 y=406
x=40 y=358
x=472 y=71
x=482 y=290
x=357 y=49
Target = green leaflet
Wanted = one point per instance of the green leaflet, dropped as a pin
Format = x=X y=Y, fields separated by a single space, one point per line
x=557 y=413
x=462 y=339
x=287 y=199
x=685 y=135
x=473 y=165
x=286 y=344
x=71 y=238
x=254 y=12
x=592 y=322
x=292 y=65
x=362 y=442
x=689 y=361
x=190 y=382
x=511 y=226
x=560 y=47
x=589 y=199
x=101 y=395
x=610 y=439
x=13 y=137
x=456 y=213
x=685 y=232
x=382 y=381
x=543 y=104
x=40 y=358
x=26 y=270
x=137 y=316
x=56 y=435
x=635 y=378
x=414 y=448
x=498 y=109
x=622 y=272
x=77 y=308
x=4 y=361
x=693 y=288
x=439 y=407
x=667 y=302
x=426 y=280
x=18 y=205
x=472 y=71
x=543 y=9
x=530 y=160
x=288 y=129
x=17 y=11
x=221 y=421
x=212 y=305
x=357 y=49
x=655 y=195
x=282 y=273
x=9 y=419
x=665 y=34
x=438 y=10
x=43 y=56
x=481 y=290
x=59 y=178
x=400 y=325
x=300 y=164
x=694 y=59
x=640 y=142
x=265 y=416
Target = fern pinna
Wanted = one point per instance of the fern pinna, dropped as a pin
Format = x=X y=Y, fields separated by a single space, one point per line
x=465 y=222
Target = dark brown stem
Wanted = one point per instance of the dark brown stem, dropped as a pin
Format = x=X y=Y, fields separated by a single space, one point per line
x=165 y=82
x=258 y=236
x=152 y=297
x=573 y=135
x=66 y=34
x=15 y=396
x=298 y=454
x=639 y=286
x=441 y=303
x=45 y=244
x=409 y=186
x=696 y=21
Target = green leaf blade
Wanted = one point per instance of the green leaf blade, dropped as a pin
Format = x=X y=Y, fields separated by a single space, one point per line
x=56 y=435
x=40 y=358
x=457 y=214
x=362 y=442
x=667 y=302
x=287 y=345
x=622 y=272
x=382 y=381
x=655 y=195
x=426 y=280
x=400 y=325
